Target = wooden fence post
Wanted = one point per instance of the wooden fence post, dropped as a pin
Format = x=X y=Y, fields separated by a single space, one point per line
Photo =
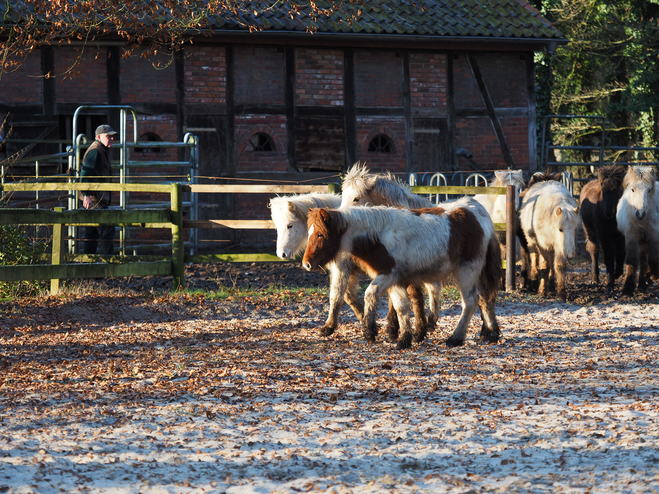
x=511 y=237
x=57 y=252
x=178 y=266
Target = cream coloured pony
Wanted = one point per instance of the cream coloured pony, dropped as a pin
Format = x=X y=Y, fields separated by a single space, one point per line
x=638 y=220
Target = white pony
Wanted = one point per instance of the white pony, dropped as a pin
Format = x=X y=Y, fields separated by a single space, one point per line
x=549 y=218
x=289 y=214
x=638 y=220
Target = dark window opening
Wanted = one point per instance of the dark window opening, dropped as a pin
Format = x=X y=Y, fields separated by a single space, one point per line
x=149 y=137
x=381 y=144
x=261 y=142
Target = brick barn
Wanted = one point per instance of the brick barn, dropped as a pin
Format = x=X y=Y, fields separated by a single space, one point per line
x=407 y=87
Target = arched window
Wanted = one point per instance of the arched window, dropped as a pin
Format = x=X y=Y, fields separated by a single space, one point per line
x=149 y=137
x=261 y=142
x=381 y=143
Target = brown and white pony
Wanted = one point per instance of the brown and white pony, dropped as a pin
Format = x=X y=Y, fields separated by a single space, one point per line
x=289 y=214
x=401 y=247
x=599 y=201
x=638 y=220
x=549 y=218
x=361 y=187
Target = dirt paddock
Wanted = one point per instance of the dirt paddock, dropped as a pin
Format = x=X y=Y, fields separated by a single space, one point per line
x=121 y=387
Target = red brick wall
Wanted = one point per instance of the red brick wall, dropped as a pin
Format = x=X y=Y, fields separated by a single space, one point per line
x=428 y=84
x=394 y=128
x=477 y=135
x=205 y=75
x=81 y=77
x=148 y=80
x=255 y=161
x=318 y=77
x=504 y=76
x=260 y=75
x=378 y=79
x=23 y=85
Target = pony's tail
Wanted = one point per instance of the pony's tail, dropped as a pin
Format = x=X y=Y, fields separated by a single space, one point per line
x=490 y=279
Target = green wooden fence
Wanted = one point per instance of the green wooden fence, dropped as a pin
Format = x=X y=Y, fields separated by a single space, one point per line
x=66 y=266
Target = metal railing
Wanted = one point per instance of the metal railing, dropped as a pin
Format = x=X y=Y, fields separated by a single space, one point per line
x=128 y=169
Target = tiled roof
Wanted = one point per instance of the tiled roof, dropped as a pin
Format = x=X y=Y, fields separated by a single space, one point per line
x=491 y=19
x=444 y=18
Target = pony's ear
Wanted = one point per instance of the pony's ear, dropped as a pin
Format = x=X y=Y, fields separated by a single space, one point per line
x=558 y=211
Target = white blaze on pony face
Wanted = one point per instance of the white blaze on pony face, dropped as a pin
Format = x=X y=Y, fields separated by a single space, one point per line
x=310 y=231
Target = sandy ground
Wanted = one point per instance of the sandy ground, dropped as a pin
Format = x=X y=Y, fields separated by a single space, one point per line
x=130 y=392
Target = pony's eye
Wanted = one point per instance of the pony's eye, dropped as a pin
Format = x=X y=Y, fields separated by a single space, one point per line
x=289 y=226
x=633 y=189
x=320 y=235
x=560 y=230
x=355 y=200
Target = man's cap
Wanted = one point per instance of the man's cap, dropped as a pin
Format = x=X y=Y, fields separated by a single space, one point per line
x=105 y=129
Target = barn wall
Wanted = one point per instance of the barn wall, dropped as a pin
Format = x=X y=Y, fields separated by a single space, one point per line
x=505 y=78
x=367 y=129
x=428 y=84
x=318 y=105
x=148 y=80
x=81 y=76
x=318 y=77
x=378 y=79
x=23 y=86
x=205 y=75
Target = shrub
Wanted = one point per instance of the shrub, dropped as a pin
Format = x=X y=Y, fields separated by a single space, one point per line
x=16 y=248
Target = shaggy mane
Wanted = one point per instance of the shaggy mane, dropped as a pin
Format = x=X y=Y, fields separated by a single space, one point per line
x=508 y=177
x=383 y=187
x=611 y=176
x=299 y=205
x=644 y=174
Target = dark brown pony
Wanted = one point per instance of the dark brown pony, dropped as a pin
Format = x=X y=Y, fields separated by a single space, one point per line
x=599 y=201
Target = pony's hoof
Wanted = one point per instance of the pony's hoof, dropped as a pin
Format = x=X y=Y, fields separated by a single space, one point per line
x=392 y=334
x=404 y=343
x=370 y=333
x=419 y=337
x=489 y=337
x=453 y=342
x=327 y=331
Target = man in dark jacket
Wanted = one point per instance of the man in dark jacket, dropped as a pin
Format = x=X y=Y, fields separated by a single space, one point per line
x=96 y=168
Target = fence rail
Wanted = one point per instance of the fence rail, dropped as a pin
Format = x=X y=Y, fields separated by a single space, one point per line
x=172 y=218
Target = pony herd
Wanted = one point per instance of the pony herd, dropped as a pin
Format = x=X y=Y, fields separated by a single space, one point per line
x=407 y=245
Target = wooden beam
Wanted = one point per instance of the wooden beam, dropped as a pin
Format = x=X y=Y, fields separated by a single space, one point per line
x=489 y=105
x=233 y=224
x=200 y=258
x=74 y=271
x=84 y=217
x=262 y=189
